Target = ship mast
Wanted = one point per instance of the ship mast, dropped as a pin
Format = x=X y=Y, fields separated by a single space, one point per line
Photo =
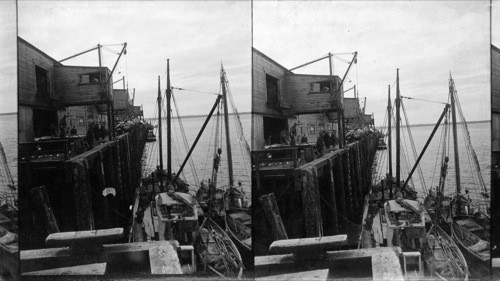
x=169 y=131
x=226 y=123
x=159 y=137
x=389 y=129
x=398 y=140
x=455 y=138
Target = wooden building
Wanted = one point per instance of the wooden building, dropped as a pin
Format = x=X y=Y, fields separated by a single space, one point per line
x=281 y=98
x=49 y=90
x=122 y=105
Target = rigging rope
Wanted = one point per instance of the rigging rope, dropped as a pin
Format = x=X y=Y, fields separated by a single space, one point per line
x=184 y=139
x=410 y=98
x=196 y=91
x=414 y=150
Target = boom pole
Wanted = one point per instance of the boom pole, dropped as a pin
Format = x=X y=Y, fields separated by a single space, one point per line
x=198 y=136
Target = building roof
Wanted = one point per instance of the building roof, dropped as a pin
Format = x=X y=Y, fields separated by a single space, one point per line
x=271 y=60
x=39 y=51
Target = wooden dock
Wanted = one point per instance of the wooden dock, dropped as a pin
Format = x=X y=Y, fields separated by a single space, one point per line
x=319 y=198
x=367 y=264
x=92 y=190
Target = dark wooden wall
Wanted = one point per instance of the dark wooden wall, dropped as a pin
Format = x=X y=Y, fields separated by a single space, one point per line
x=75 y=188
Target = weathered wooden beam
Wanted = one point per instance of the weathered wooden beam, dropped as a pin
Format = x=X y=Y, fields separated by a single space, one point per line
x=103 y=211
x=163 y=259
x=311 y=202
x=50 y=258
x=340 y=186
x=331 y=186
x=271 y=210
x=347 y=184
x=384 y=261
x=66 y=239
x=318 y=275
x=312 y=244
x=94 y=269
x=82 y=196
x=42 y=203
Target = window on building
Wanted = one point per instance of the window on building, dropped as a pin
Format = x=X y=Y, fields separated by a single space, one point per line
x=272 y=88
x=319 y=87
x=42 y=81
x=90 y=78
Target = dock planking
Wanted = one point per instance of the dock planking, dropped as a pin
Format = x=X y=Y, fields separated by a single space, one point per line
x=385 y=264
x=144 y=253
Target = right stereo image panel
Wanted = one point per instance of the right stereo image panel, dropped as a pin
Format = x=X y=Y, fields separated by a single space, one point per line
x=371 y=140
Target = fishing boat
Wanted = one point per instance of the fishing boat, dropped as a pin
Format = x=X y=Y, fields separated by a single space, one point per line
x=442 y=256
x=405 y=222
x=8 y=219
x=381 y=144
x=228 y=204
x=376 y=230
x=151 y=135
x=166 y=210
x=470 y=226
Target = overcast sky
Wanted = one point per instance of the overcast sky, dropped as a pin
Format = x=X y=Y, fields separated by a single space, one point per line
x=195 y=36
x=8 y=57
x=425 y=40
x=496 y=23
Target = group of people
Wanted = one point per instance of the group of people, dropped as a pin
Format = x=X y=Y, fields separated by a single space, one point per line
x=62 y=130
x=326 y=140
x=96 y=132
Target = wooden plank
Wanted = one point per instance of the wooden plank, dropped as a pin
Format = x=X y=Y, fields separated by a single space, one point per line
x=43 y=259
x=311 y=202
x=82 y=196
x=65 y=239
x=331 y=185
x=318 y=274
x=42 y=203
x=87 y=269
x=386 y=266
x=272 y=212
x=339 y=187
x=163 y=259
x=385 y=262
x=307 y=244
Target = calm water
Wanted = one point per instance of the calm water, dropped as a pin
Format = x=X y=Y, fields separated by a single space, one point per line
x=8 y=138
x=481 y=142
x=204 y=151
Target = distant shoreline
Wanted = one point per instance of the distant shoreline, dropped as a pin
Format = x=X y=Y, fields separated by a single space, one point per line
x=201 y=115
x=9 y=113
x=424 y=125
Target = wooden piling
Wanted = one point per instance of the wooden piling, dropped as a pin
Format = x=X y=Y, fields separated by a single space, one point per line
x=334 y=213
x=311 y=202
x=42 y=203
x=82 y=196
x=340 y=186
x=271 y=210
x=347 y=183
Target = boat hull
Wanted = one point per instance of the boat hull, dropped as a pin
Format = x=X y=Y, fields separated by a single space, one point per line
x=478 y=266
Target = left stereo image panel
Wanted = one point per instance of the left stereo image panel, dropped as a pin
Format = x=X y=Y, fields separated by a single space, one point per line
x=8 y=143
x=133 y=131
